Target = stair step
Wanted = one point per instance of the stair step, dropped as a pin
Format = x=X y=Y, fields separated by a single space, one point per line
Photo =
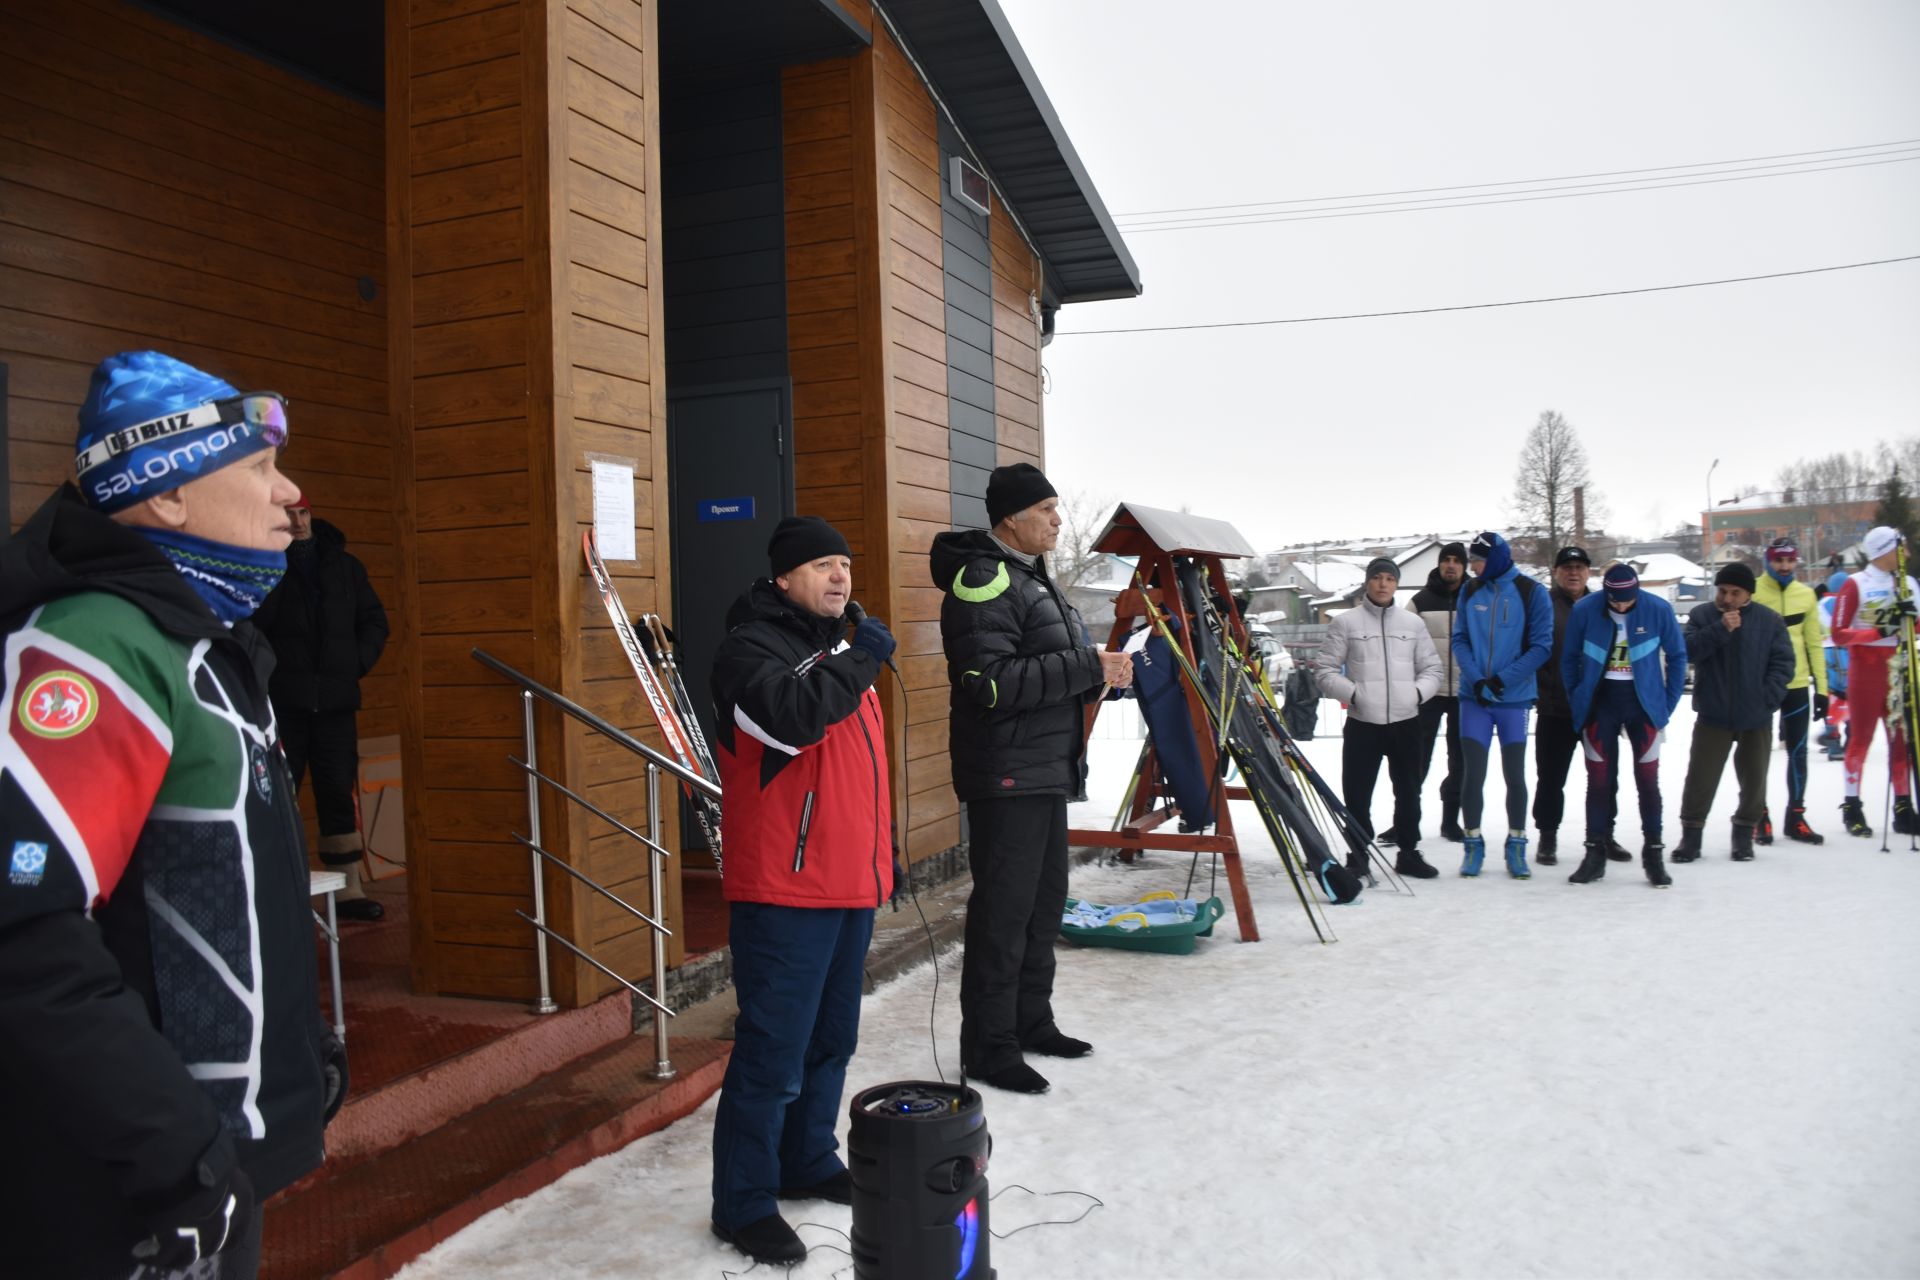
x=367 y=1219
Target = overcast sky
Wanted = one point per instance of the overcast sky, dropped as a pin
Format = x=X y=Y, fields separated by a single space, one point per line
x=1368 y=427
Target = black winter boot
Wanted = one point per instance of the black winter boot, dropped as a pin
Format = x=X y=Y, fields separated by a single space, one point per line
x=1547 y=853
x=1854 y=817
x=1797 y=829
x=1742 y=843
x=1905 y=821
x=1450 y=822
x=1763 y=830
x=1410 y=863
x=1689 y=847
x=1617 y=852
x=1654 y=865
x=1593 y=866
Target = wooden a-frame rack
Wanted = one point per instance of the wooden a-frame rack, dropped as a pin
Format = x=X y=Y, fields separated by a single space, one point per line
x=1155 y=537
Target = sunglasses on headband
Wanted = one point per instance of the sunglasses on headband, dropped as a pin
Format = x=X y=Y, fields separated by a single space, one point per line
x=264 y=410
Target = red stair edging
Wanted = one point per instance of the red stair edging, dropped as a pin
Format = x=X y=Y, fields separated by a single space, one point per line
x=368 y=1219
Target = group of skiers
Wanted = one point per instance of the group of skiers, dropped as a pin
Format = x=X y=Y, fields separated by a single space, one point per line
x=1482 y=648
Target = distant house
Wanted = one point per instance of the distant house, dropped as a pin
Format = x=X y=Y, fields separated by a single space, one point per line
x=1821 y=521
x=1673 y=577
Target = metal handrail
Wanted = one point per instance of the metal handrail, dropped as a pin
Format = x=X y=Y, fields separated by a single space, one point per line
x=656 y=763
x=686 y=776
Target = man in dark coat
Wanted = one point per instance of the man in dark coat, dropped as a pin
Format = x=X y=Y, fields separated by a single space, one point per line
x=1555 y=736
x=1743 y=661
x=803 y=769
x=327 y=630
x=1435 y=604
x=1021 y=675
x=163 y=1064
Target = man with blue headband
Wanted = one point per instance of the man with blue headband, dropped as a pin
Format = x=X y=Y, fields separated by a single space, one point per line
x=165 y=1061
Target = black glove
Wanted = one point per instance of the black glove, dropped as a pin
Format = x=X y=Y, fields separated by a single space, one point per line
x=1487 y=692
x=333 y=1067
x=1819 y=706
x=873 y=636
x=1499 y=688
x=215 y=1216
x=901 y=889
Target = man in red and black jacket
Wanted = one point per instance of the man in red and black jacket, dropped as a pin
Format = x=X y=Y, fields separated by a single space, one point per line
x=803 y=772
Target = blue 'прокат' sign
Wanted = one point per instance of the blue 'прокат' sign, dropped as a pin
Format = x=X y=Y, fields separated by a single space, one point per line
x=712 y=509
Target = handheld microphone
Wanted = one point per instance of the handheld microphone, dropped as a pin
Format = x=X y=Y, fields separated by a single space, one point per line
x=855 y=615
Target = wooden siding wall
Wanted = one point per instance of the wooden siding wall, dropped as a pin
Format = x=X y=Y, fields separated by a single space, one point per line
x=524 y=236
x=161 y=189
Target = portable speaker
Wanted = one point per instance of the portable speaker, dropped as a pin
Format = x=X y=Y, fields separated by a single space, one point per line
x=918 y=1155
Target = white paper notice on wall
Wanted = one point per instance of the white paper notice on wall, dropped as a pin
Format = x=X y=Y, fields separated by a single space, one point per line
x=613 y=509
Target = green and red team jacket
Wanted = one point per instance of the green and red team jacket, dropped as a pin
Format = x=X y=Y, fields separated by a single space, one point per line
x=158 y=1003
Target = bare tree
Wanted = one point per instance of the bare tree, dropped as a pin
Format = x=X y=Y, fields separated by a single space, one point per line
x=1840 y=470
x=1553 y=463
x=1073 y=560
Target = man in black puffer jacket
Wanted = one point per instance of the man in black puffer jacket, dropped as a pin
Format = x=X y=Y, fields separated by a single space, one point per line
x=327 y=630
x=1022 y=674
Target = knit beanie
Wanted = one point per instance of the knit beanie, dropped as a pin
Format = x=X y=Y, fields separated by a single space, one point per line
x=1623 y=584
x=151 y=423
x=799 y=540
x=1454 y=551
x=1013 y=488
x=1735 y=575
x=1380 y=564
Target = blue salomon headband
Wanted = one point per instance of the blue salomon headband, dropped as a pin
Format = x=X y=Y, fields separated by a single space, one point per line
x=151 y=423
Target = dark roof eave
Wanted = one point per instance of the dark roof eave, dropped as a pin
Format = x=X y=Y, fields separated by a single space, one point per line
x=970 y=71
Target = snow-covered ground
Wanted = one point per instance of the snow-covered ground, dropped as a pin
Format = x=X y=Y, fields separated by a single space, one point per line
x=1491 y=1078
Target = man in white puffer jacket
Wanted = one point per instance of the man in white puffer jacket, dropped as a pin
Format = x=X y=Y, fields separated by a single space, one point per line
x=1381 y=662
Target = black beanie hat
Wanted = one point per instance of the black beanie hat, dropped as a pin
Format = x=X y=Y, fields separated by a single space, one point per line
x=1735 y=575
x=1014 y=488
x=799 y=539
x=1455 y=551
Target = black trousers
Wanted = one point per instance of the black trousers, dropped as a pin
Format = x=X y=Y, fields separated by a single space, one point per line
x=329 y=741
x=1432 y=712
x=1554 y=742
x=1018 y=852
x=1362 y=749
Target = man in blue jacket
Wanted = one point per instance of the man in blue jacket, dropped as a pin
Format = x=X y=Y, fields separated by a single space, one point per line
x=1625 y=667
x=1502 y=632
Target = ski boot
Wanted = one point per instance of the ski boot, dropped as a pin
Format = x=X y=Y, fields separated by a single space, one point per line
x=1476 y=854
x=1617 y=852
x=1549 y=852
x=1763 y=830
x=1450 y=823
x=1797 y=829
x=1357 y=866
x=1593 y=866
x=1742 y=843
x=1689 y=847
x=1651 y=862
x=1409 y=863
x=1905 y=821
x=1517 y=858
x=1854 y=817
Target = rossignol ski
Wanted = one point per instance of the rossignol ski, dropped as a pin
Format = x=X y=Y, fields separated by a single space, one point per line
x=672 y=728
x=1903 y=685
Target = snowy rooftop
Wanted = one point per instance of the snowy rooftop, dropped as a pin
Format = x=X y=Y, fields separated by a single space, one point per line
x=1800 y=498
x=1666 y=567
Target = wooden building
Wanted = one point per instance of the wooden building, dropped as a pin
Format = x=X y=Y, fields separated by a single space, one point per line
x=478 y=243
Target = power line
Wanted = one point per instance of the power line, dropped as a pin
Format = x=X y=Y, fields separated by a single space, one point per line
x=1365 y=211
x=1521 y=182
x=1484 y=306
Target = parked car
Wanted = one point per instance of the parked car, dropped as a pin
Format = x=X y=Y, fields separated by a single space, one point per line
x=1274 y=658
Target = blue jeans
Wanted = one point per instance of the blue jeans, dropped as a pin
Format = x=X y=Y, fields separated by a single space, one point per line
x=797 y=972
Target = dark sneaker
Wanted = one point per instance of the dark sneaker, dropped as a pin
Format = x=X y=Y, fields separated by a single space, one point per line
x=359 y=909
x=838 y=1188
x=1763 y=830
x=1797 y=829
x=1059 y=1046
x=1689 y=847
x=1451 y=830
x=1742 y=843
x=1410 y=863
x=1548 y=852
x=1593 y=866
x=769 y=1240
x=1018 y=1078
x=1651 y=863
x=1617 y=852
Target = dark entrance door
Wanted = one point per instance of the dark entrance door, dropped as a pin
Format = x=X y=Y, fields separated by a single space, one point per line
x=730 y=464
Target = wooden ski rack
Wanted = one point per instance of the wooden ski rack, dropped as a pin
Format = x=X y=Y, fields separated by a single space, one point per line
x=1155 y=537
